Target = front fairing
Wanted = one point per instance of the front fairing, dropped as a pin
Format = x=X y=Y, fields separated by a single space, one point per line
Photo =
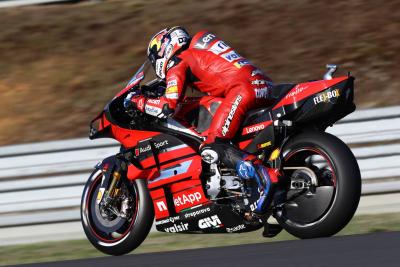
x=114 y=112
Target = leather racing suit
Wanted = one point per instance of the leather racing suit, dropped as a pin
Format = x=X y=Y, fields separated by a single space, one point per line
x=213 y=67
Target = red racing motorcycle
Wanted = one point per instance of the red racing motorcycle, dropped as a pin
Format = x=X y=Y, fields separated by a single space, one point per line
x=159 y=174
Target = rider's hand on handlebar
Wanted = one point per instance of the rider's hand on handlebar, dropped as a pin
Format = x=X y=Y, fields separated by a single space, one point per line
x=134 y=100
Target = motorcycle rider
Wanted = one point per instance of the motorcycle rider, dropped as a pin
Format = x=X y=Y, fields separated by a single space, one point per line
x=208 y=64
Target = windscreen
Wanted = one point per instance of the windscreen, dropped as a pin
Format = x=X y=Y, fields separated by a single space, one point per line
x=144 y=75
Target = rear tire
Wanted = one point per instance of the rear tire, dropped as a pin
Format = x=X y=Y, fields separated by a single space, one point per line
x=138 y=228
x=346 y=192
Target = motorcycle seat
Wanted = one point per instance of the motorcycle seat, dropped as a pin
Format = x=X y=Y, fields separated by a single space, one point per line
x=278 y=92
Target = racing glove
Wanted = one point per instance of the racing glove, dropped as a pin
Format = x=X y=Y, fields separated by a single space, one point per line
x=134 y=100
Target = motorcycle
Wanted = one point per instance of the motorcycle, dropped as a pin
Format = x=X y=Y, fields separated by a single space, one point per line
x=159 y=175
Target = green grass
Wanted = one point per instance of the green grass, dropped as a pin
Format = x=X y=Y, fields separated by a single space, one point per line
x=56 y=251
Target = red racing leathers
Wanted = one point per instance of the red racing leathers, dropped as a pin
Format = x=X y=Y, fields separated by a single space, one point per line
x=212 y=67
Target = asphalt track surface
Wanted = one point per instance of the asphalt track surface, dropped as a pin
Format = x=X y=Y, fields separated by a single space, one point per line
x=378 y=249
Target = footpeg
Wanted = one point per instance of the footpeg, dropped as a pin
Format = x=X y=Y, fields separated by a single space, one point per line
x=271 y=230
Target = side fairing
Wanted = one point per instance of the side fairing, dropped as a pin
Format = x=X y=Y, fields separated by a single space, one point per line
x=173 y=171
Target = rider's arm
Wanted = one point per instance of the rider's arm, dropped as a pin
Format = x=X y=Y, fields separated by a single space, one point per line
x=165 y=105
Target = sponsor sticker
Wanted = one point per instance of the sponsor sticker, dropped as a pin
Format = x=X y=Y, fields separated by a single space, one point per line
x=161 y=206
x=147 y=148
x=172 y=89
x=297 y=90
x=241 y=63
x=177 y=228
x=264 y=145
x=153 y=101
x=197 y=212
x=171 y=83
x=228 y=120
x=210 y=222
x=219 y=47
x=172 y=96
x=154 y=111
x=231 y=56
x=262 y=92
x=187 y=198
x=160 y=67
x=326 y=96
x=168 y=220
x=205 y=40
x=236 y=228
x=254 y=128
x=260 y=82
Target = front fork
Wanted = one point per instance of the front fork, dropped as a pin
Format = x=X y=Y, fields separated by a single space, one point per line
x=110 y=189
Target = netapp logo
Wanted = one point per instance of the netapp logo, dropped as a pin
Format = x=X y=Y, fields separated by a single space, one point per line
x=184 y=199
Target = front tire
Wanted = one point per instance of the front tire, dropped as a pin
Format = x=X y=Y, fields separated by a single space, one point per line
x=127 y=233
x=332 y=203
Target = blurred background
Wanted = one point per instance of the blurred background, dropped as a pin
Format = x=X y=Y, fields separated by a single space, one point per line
x=59 y=64
x=61 y=61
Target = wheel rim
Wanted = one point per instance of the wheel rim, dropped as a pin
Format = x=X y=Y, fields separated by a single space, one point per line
x=107 y=232
x=314 y=204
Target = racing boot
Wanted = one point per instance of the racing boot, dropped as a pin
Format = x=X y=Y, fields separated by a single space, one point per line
x=266 y=179
x=221 y=151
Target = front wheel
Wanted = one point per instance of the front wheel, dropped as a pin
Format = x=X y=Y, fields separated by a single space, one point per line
x=124 y=224
x=323 y=188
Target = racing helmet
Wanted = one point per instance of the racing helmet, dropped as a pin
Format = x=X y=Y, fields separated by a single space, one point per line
x=164 y=45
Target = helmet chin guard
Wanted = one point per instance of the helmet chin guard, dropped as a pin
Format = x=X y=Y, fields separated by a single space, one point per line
x=164 y=45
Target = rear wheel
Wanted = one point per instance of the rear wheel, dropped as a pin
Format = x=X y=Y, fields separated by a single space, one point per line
x=122 y=225
x=323 y=187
